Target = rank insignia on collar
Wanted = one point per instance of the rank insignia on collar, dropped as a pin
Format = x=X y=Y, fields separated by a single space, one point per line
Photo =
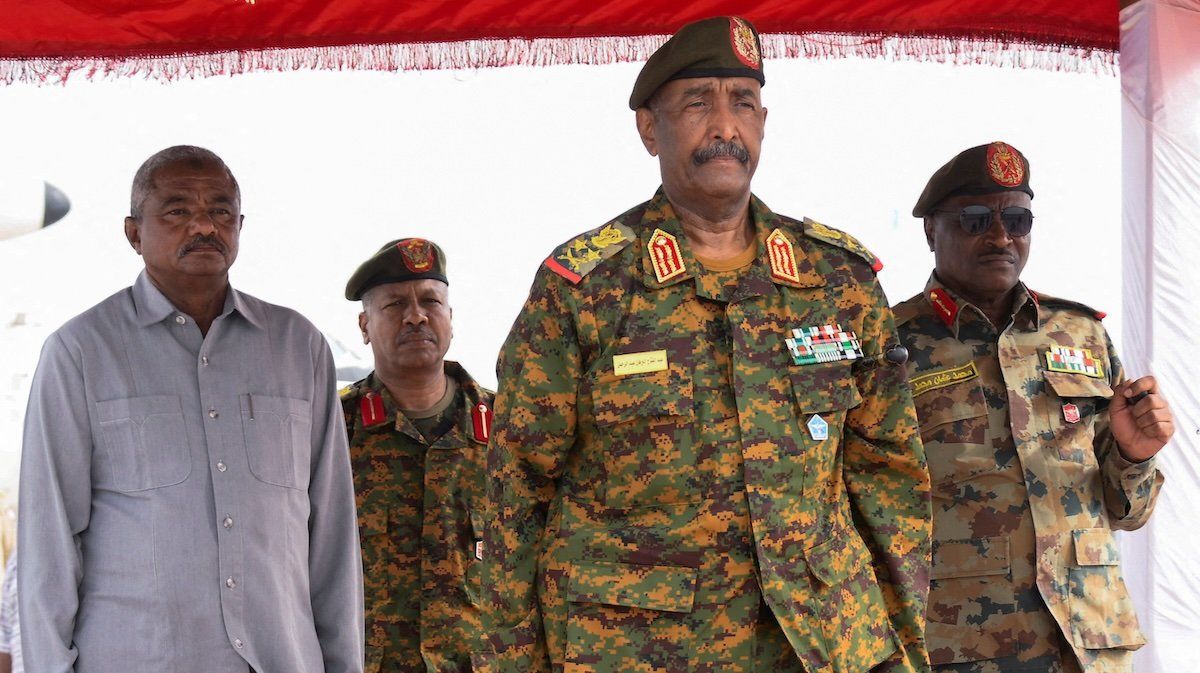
x=1070 y=413
x=371 y=408
x=481 y=422
x=946 y=308
x=665 y=256
x=818 y=428
x=1073 y=361
x=782 y=256
x=828 y=343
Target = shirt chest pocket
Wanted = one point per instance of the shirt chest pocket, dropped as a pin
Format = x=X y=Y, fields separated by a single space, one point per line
x=144 y=444
x=1072 y=411
x=278 y=436
x=644 y=429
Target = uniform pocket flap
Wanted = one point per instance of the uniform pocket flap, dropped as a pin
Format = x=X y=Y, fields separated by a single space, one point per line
x=970 y=558
x=837 y=558
x=666 y=588
x=138 y=408
x=824 y=387
x=623 y=398
x=1078 y=385
x=1095 y=547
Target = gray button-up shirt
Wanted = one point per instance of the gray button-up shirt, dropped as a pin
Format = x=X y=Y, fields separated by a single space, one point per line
x=186 y=502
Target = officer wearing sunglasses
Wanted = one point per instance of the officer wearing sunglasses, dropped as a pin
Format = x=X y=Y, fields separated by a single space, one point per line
x=1037 y=445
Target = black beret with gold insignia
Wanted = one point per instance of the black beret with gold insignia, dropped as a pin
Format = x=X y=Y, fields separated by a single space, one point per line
x=396 y=262
x=986 y=169
x=722 y=46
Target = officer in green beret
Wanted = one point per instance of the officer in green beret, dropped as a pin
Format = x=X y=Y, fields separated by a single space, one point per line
x=418 y=428
x=1038 y=446
x=703 y=458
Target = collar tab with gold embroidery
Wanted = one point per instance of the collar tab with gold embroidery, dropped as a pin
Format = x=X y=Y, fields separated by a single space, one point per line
x=665 y=256
x=782 y=255
x=945 y=307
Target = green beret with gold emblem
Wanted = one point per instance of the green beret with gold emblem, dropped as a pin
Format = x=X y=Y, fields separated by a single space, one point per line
x=986 y=169
x=396 y=262
x=722 y=46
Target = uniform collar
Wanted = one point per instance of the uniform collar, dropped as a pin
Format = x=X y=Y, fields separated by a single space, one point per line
x=152 y=306
x=666 y=253
x=955 y=312
x=475 y=396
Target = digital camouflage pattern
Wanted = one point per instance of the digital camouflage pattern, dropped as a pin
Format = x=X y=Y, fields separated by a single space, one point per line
x=678 y=516
x=1024 y=501
x=420 y=518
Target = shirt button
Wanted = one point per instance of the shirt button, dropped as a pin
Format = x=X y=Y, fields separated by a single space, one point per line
x=237 y=642
x=221 y=466
x=204 y=360
x=228 y=522
x=180 y=319
x=212 y=413
x=230 y=582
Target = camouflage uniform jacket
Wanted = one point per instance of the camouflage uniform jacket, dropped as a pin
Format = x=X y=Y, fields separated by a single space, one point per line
x=420 y=509
x=1027 y=482
x=643 y=514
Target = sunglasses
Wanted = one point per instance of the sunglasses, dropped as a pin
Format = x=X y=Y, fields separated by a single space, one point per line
x=975 y=220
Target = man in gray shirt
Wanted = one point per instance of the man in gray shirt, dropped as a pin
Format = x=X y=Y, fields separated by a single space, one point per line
x=186 y=500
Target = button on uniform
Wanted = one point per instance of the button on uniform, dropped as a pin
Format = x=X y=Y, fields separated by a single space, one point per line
x=228 y=522
x=204 y=360
x=180 y=319
x=221 y=467
x=237 y=642
x=212 y=413
x=230 y=582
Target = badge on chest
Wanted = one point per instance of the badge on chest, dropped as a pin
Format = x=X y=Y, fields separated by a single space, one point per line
x=827 y=343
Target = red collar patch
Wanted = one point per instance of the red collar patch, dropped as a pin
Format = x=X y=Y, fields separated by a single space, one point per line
x=371 y=408
x=481 y=422
x=943 y=305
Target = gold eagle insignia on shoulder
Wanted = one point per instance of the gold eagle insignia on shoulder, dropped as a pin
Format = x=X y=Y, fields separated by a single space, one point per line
x=841 y=239
x=576 y=258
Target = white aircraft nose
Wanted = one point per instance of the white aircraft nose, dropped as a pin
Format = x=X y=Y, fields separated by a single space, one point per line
x=28 y=204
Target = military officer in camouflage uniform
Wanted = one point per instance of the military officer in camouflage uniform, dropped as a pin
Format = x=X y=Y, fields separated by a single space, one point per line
x=418 y=428
x=703 y=460
x=1036 y=444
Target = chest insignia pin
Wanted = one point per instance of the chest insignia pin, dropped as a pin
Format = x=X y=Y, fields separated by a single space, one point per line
x=818 y=428
x=1070 y=413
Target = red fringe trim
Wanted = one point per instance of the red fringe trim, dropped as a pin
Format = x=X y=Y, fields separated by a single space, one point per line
x=989 y=50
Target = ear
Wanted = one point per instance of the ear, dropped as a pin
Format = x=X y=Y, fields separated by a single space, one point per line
x=362 y=327
x=241 y=221
x=645 y=127
x=133 y=234
x=929 y=232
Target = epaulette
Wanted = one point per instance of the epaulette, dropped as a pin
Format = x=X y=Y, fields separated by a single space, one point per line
x=907 y=310
x=1048 y=300
x=348 y=392
x=577 y=257
x=841 y=239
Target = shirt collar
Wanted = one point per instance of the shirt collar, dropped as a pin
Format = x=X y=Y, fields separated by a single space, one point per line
x=954 y=311
x=667 y=258
x=152 y=306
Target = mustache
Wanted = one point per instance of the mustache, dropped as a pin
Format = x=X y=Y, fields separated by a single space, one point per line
x=419 y=331
x=202 y=242
x=992 y=250
x=721 y=148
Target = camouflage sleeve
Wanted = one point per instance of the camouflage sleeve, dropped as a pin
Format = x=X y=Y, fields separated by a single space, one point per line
x=534 y=428
x=885 y=473
x=1130 y=489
